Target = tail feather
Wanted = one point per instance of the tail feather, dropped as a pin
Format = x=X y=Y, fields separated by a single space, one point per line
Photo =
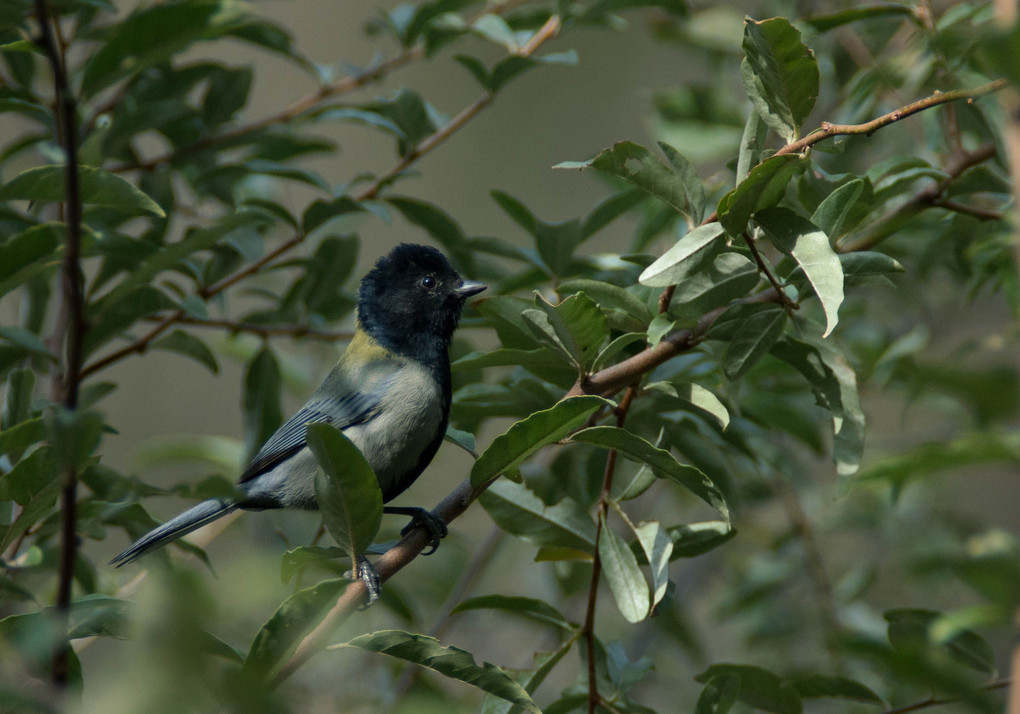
x=191 y=519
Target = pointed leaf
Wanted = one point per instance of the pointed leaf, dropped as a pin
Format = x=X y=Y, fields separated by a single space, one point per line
x=810 y=247
x=658 y=549
x=527 y=436
x=190 y=346
x=346 y=489
x=763 y=188
x=637 y=165
x=452 y=662
x=295 y=618
x=620 y=568
x=45 y=184
x=758 y=687
x=537 y=610
x=753 y=340
x=814 y=686
x=608 y=295
x=677 y=262
x=662 y=463
x=780 y=74
x=517 y=510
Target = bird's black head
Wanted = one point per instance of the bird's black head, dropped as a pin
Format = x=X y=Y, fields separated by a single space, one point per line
x=412 y=299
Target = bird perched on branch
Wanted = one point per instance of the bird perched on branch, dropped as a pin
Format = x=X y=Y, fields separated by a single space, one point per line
x=389 y=394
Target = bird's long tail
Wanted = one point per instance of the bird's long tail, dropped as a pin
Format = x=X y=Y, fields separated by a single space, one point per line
x=191 y=519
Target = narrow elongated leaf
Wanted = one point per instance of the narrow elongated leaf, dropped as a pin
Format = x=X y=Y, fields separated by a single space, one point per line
x=531 y=680
x=810 y=247
x=638 y=166
x=537 y=610
x=911 y=629
x=190 y=346
x=662 y=463
x=694 y=539
x=45 y=184
x=517 y=510
x=780 y=74
x=728 y=277
x=608 y=295
x=832 y=214
x=295 y=617
x=26 y=249
x=758 y=687
x=824 y=23
x=576 y=328
x=628 y=585
x=451 y=662
x=346 y=489
x=261 y=405
x=673 y=265
x=751 y=144
x=297 y=559
x=814 y=686
x=697 y=397
x=112 y=318
x=658 y=548
x=527 y=436
x=753 y=340
x=20 y=436
x=719 y=695
x=764 y=187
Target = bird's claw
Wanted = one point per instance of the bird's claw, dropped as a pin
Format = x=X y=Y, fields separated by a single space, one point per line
x=367 y=574
x=435 y=525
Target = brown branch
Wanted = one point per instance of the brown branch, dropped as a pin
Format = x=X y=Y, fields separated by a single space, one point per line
x=74 y=300
x=933 y=702
x=829 y=130
x=784 y=299
x=933 y=196
x=588 y=628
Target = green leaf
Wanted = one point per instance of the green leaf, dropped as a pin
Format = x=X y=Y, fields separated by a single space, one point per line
x=728 y=277
x=694 y=397
x=824 y=23
x=620 y=568
x=911 y=629
x=190 y=346
x=685 y=255
x=764 y=187
x=108 y=319
x=451 y=662
x=24 y=251
x=261 y=407
x=146 y=38
x=834 y=385
x=810 y=248
x=16 y=439
x=662 y=463
x=694 y=539
x=692 y=186
x=719 y=695
x=814 y=686
x=609 y=296
x=346 y=490
x=576 y=328
x=780 y=74
x=320 y=211
x=45 y=184
x=295 y=618
x=533 y=609
x=834 y=214
x=297 y=559
x=527 y=436
x=758 y=687
x=226 y=95
x=638 y=166
x=657 y=545
x=517 y=510
x=752 y=143
x=494 y=28
x=753 y=340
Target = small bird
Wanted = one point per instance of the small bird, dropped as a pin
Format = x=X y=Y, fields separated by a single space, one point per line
x=389 y=394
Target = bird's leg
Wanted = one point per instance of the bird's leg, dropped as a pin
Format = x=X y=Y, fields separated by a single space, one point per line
x=366 y=573
x=425 y=519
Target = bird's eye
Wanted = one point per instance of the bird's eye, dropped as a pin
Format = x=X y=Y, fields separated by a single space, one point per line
x=428 y=282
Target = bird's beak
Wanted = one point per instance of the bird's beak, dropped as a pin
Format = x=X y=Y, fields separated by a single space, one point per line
x=468 y=288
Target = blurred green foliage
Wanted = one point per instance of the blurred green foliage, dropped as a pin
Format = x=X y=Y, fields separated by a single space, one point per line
x=781 y=280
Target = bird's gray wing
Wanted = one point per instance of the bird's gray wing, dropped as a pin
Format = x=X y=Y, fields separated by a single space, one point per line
x=290 y=438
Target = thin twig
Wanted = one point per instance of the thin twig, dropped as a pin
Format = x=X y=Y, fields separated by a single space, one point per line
x=588 y=629
x=763 y=267
x=829 y=130
x=933 y=702
x=337 y=88
x=74 y=300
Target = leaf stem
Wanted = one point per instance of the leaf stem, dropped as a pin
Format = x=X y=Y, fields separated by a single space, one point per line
x=763 y=267
x=933 y=702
